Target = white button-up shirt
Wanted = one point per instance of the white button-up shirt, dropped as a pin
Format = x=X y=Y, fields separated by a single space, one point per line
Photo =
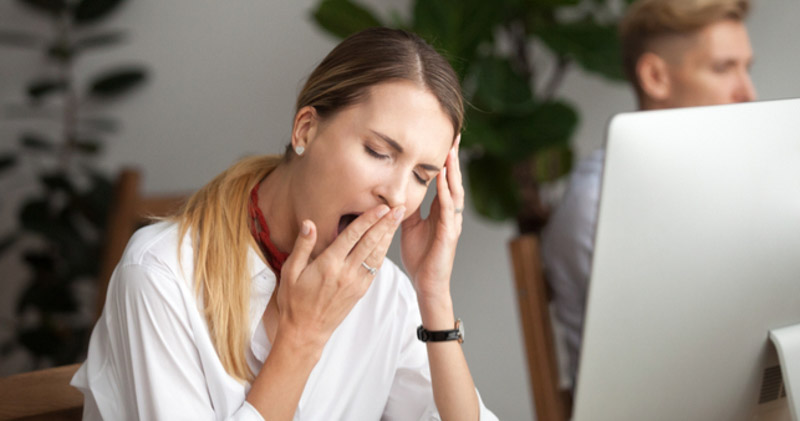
x=151 y=355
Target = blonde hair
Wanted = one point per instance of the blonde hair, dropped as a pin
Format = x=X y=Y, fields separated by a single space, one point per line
x=218 y=218
x=217 y=215
x=648 y=20
x=378 y=55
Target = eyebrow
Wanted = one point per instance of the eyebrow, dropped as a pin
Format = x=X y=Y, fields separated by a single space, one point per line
x=396 y=146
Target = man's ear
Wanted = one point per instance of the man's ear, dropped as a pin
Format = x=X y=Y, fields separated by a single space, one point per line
x=654 y=79
x=306 y=123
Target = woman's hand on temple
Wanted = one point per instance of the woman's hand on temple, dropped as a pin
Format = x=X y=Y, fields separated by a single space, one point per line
x=429 y=245
x=315 y=296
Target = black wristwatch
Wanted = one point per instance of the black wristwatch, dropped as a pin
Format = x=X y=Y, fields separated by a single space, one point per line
x=456 y=334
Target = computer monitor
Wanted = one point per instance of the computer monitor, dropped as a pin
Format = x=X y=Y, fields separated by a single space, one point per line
x=697 y=258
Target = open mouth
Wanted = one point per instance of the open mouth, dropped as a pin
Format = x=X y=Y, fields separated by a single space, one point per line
x=345 y=220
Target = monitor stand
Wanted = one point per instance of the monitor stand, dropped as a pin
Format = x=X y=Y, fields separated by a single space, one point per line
x=787 y=342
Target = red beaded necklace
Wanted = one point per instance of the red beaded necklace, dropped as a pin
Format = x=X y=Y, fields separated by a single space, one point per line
x=260 y=231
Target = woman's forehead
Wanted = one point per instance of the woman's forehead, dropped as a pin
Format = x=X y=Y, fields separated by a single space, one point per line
x=408 y=114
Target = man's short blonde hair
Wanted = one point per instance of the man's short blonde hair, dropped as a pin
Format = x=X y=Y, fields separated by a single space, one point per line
x=649 y=20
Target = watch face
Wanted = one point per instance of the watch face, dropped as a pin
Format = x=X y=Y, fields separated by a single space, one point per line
x=460 y=327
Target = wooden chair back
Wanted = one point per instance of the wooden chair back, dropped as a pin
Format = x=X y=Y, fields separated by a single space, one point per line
x=130 y=211
x=41 y=395
x=552 y=403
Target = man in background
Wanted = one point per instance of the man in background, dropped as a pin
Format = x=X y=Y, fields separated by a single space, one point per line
x=676 y=53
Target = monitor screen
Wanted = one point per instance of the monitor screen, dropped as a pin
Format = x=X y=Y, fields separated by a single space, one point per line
x=697 y=258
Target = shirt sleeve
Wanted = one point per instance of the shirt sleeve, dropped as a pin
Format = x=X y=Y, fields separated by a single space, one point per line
x=567 y=249
x=411 y=394
x=146 y=364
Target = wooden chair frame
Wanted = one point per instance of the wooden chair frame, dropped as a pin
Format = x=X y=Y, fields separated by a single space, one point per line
x=552 y=403
x=41 y=395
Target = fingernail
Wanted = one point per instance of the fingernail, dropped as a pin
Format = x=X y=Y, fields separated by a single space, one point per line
x=383 y=211
x=444 y=172
x=458 y=140
x=399 y=212
x=306 y=228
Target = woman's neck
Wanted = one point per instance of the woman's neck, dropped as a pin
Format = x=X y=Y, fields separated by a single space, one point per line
x=274 y=200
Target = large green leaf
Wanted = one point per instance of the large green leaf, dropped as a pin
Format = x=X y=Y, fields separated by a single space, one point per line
x=118 y=82
x=457 y=27
x=75 y=253
x=50 y=296
x=492 y=188
x=481 y=134
x=61 y=51
x=7 y=161
x=36 y=142
x=40 y=341
x=57 y=181
x=92 y=11
x=550 y=124
x=499 y=89
x=96 y=199
x=7 y=242
x=552 y=163
x=40 y=260
x=38 y=89
x=101 y=39
x=342 y=18
x=518 y=136
x=79 y=253
x=35 y=215
x=554 y=3
x=593 y=46
x=89 y=147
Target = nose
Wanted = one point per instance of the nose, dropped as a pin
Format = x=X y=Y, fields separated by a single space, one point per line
x=745 y=91
x=393 y=190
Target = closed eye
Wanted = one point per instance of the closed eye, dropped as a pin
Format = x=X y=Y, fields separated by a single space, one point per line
x=723 y=67
x=375 y=154
x=421 y=180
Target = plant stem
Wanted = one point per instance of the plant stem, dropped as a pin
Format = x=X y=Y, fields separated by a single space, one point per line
x=556 y=78
x=519 y=41
x=533 y=214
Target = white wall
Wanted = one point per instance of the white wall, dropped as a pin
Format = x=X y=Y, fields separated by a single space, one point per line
x=224 y=79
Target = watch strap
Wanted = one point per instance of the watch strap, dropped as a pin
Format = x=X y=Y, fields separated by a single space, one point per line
x=456 y=334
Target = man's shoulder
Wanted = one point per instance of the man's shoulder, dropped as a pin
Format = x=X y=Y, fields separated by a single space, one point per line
x=584 y=184
x=576 y=213
x=590 y=168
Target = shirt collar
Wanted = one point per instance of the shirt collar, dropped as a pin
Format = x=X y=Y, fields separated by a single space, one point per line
x=263 y=283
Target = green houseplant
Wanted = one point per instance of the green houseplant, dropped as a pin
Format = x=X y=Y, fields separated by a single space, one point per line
x=517 y=134
x=62 y=220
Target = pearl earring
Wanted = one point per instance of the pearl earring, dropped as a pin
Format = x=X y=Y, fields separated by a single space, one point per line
x=299 y=150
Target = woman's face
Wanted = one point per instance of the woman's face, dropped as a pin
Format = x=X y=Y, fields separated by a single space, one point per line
x=386 y=149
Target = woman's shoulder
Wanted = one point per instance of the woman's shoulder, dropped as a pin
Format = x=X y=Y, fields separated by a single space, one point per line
x=156 y=249
x=154 y=241
x=150 y=271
